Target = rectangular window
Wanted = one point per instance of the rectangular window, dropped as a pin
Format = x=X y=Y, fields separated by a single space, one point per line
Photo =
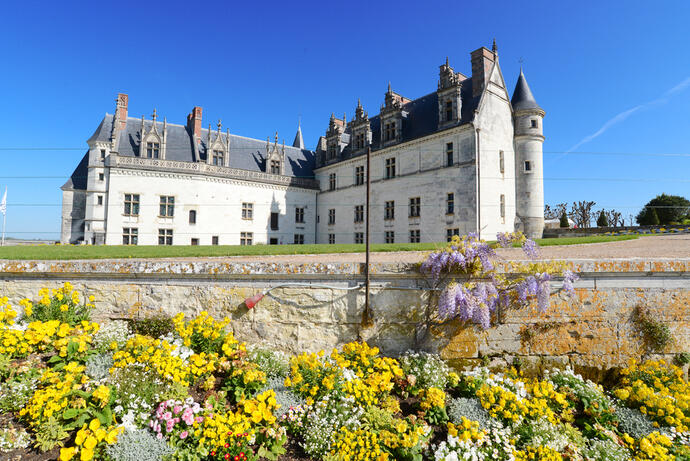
x=528 y=166
x=449 y=111
x=450 y=203
x=450 y=233
x=390 y=168
x=214 y=240
x=331 y=216
x=449 y=154
x=415 y=205
x=101 y=176
x=99 y=199
x=359 y=237
x=503 y=206
x=275 y=166
x=390 y=236
x=389 y=210
x=247 y=210
x=192 y=216
x=218 y=157
x=153 y=149
x=331 y=181
x=102 y=154
x=299 y=239
x=359 y=175
x=165 y=236
x=331 y=238
x=535 y=124
x=246 y=238
x=274 y=221
x=299 y=215
x=195 y=241
x=415 y=236
x=501 y=162
x=359 y=213
x=131 y=204
x=167 y=206
x=130 y=236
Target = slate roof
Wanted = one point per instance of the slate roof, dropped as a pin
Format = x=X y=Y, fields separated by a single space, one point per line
x=420 y=118
x=245 y=153
x=79 y=176
x=522 y=96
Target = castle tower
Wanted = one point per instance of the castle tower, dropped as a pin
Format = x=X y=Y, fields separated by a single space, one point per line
x=529 y=163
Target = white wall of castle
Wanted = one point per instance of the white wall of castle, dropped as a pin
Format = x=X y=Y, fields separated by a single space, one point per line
x=218 y=206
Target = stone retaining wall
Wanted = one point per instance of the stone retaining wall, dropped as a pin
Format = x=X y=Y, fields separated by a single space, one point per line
x=592 y=329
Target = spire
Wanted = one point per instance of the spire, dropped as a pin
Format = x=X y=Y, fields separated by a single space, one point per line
x=389 y=86
x=493 y=48
x=298 y=142
x=522 y=96
x=447 y=65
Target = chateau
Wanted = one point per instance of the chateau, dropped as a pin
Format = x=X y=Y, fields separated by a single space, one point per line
x=464 y=158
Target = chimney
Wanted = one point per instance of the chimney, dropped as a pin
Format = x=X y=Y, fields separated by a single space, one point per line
x=482 y=60
x=194 y=122
x=122 y=103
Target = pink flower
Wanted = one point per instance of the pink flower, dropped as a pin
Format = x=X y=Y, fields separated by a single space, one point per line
x=177 y=409
x=184 y=434
x=159 y=436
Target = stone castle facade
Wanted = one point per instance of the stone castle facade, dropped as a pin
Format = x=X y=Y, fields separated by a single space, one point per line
x=464 y=158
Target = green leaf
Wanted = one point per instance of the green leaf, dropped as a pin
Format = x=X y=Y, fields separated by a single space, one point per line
x=54 y=359
x=101 y=417
x=70 y=413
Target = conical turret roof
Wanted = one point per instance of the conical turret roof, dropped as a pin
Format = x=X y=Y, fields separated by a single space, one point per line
x=298 y=142
x=522 y=96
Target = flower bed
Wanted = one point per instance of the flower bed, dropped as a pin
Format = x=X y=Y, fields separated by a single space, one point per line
x=73 y=389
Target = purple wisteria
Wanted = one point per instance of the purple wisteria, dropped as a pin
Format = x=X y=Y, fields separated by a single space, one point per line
x=470 y=289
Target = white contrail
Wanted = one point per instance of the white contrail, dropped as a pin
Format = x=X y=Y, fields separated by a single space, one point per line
x=625 y=114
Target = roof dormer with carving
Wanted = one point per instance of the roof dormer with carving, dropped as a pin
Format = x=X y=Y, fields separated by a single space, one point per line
x=218 y=149
x=335 y=142
x=392 y=116
x=275 y=157
x=152 y=141
x=449 y=96
x=360 y=128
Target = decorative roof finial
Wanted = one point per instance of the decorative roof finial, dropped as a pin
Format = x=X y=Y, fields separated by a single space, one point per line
x=493 y=48
x=154 y=115
x=447 y=65
x=344 y=119
x=276 y=138
x=389 y=86
x=219 y=125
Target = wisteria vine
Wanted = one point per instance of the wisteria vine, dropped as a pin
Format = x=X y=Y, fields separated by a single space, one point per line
x=472 y=290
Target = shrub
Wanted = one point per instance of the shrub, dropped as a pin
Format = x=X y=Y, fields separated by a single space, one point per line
x=62 y=304
x=155 y=326
x=16 y=393
x=115 y=331
x=272 y=363
x=605 y=450
x=98 y=366
x=471 y=409
x=13 y=438
x=138 y=445
x=324 y=420
x=656 y=335
x=633 y=422
x=667 y=209
x=564 y=221
x=424 y=370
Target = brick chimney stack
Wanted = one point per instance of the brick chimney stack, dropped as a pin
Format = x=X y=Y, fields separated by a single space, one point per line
x=482 y=60
x=194 y=122
x=122 y=103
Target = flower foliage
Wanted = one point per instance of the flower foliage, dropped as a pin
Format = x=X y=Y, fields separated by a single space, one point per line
x=472 y=290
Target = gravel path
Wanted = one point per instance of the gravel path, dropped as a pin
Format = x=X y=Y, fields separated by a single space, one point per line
x=666 y=246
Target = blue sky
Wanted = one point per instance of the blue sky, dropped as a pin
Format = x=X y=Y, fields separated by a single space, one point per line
x=622 y=66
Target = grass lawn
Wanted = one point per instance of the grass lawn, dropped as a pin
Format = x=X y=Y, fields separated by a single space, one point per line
x=46 y=252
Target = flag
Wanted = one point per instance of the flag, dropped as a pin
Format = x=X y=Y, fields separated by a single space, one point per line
x=3 y=204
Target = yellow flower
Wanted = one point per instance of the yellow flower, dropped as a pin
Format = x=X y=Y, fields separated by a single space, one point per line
x=86 y=454
x=64 y=308
x=67 y=453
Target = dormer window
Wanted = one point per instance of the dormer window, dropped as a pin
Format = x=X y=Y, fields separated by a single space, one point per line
x=389 y=133
x=153 y=149
x=275 y=166
x=449 y=111
x=331 y=151
x=218 y=157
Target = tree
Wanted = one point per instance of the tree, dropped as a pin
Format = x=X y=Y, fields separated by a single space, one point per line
x=602 y=220
x=581 y=213
x=555 y=212
x=564 y=220
x=614 y=218
x=648 y=217
x=669 y=208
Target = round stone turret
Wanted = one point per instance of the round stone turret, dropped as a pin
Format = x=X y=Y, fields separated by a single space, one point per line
x=529 y=162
